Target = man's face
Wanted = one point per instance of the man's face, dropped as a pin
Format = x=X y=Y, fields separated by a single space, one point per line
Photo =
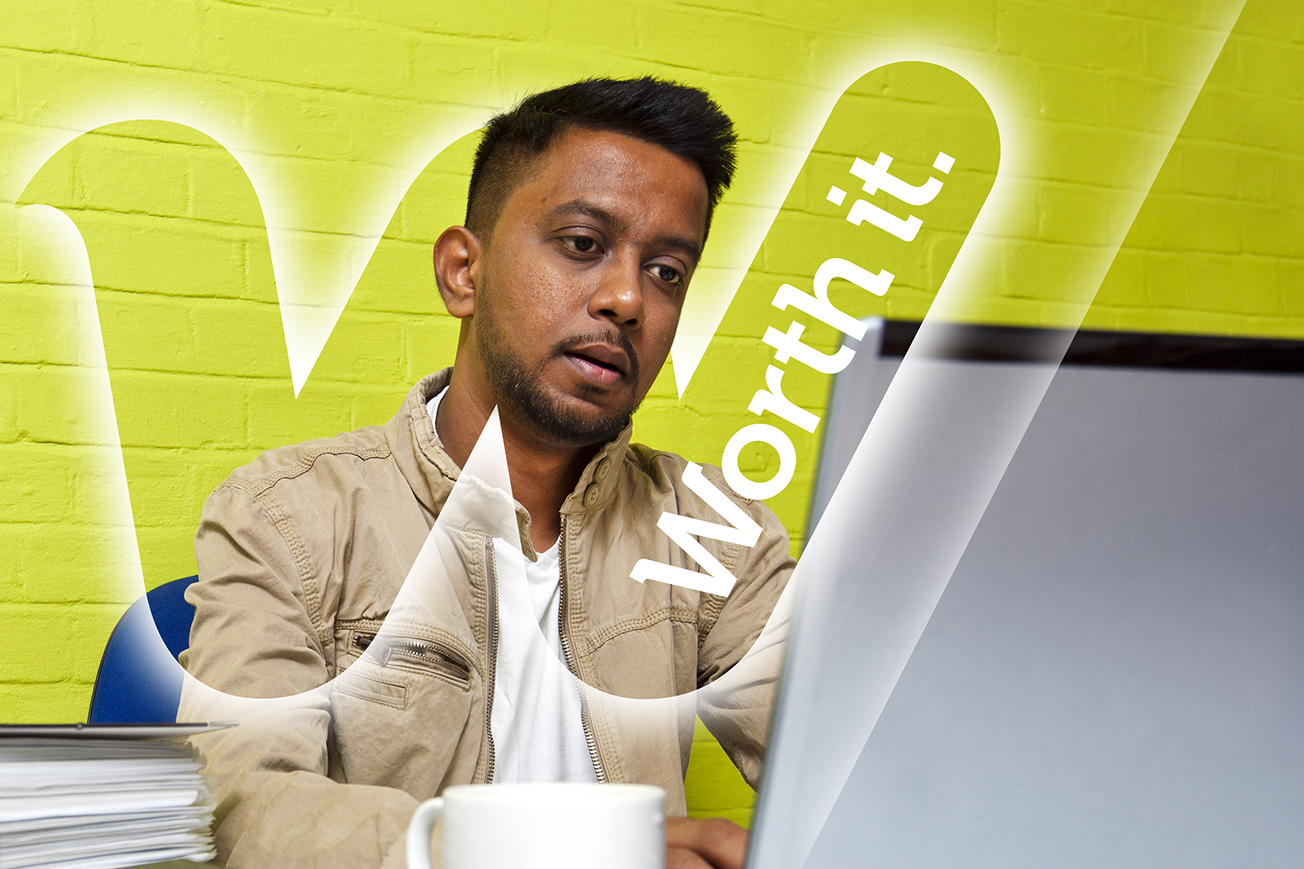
x=582 y=281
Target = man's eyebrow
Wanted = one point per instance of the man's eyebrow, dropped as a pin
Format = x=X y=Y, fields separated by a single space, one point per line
x=685 y=245
x=581 y=206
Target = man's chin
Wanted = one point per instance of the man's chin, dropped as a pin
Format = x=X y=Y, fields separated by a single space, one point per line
x=563 y=420
x=568 y=421
x=577 y=431
x=561 y=412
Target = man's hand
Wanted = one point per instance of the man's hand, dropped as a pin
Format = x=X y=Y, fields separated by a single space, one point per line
x=710 y=843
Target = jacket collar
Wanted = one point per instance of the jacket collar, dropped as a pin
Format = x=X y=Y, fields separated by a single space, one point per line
x=431 y=472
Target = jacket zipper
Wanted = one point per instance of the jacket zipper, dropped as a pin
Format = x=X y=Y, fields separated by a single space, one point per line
x=564 y=625
x=493 y=655
x=411 y=653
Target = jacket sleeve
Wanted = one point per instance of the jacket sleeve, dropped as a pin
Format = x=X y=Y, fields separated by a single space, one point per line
x=253 y=637
x=741 y=653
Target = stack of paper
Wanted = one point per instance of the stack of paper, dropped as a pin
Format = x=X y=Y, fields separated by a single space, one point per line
x=80 y=799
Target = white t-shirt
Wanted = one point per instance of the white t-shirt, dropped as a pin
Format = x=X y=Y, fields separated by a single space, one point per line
x=536 y=721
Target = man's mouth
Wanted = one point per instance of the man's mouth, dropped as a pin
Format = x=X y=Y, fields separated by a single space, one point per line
x=602 y=363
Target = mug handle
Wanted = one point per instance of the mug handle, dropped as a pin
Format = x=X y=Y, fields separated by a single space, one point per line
x=419 y=830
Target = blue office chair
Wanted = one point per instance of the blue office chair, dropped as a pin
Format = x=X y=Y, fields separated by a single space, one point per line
x=139 y=681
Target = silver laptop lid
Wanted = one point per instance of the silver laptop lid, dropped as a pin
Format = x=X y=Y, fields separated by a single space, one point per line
x=1114 y=674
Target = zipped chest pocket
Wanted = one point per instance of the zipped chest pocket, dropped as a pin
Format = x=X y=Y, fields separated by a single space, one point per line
x=401 y=701
x=413 y=654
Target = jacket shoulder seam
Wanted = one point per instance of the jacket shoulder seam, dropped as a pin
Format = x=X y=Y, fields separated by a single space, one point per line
x=256 y=485
x=259 y=489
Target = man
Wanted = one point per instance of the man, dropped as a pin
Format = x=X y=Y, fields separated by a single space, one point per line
x=587 y=212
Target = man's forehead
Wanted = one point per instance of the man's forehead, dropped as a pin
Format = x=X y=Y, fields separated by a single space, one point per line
x=596 y=171
x=611 y=151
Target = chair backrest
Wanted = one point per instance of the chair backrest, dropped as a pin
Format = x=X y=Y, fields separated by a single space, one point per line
x=139 y=680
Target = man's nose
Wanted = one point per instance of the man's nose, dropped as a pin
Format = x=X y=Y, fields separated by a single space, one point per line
x=619 y=294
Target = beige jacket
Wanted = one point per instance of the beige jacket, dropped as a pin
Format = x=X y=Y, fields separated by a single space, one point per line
x=301 y=554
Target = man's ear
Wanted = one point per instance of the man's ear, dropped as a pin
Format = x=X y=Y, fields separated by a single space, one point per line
x=457 y=260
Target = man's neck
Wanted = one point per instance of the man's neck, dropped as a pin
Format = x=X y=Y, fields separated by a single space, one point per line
x=542 y=474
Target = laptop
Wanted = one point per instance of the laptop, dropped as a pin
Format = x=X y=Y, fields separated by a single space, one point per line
x=1052 y=615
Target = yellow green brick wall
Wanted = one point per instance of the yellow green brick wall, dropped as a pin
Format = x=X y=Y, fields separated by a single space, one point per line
x=338 y=121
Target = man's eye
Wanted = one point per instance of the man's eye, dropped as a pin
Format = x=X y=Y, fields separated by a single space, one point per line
x=668 y=275
x=580 y=243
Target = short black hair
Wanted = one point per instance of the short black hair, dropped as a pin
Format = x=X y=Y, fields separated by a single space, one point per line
x=684 y=120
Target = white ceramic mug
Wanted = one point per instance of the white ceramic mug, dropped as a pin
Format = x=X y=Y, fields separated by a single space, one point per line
x=543 y=826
